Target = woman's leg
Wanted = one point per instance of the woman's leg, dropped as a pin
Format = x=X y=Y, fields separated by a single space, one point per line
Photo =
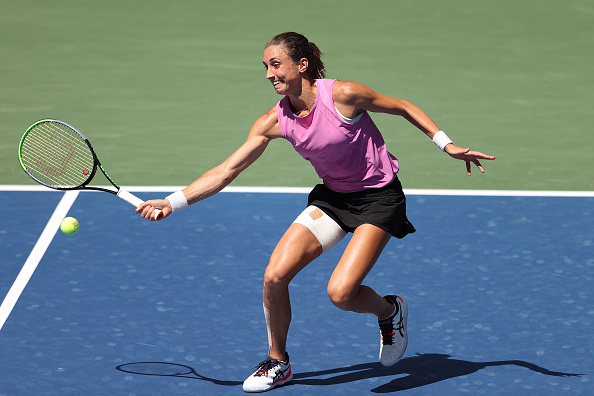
x=297 y=248
x=312 y=233
x=345 y=289
x=346 y=292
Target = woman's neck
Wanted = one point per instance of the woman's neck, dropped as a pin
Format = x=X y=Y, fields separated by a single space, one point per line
x=305 y=100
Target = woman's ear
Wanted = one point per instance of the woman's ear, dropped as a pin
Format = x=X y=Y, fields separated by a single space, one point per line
x=303 y=65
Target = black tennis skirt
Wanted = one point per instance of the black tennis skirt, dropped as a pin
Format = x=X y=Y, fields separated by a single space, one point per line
x=383 y=207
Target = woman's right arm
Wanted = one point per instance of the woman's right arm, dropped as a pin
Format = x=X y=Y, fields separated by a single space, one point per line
x=262 y=132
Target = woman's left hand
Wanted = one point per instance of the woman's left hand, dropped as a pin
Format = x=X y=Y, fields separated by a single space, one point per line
x=465 y=154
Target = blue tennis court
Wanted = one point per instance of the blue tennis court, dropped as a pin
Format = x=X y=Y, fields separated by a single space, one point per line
x=499 y=290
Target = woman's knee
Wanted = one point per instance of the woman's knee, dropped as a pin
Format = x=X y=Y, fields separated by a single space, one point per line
x=342 y=297
x=274 y=278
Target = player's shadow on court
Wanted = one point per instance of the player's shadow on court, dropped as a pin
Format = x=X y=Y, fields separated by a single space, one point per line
x=414 y=372
x=418 y=371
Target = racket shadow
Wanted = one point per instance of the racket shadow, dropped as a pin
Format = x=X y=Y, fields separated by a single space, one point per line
x=164 y=369
x=412 y=372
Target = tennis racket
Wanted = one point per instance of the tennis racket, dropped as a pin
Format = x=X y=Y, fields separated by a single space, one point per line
x=58 y=156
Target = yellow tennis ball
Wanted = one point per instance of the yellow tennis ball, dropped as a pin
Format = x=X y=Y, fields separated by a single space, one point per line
x=69 y=226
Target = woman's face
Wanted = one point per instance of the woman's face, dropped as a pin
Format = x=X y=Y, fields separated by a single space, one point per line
x=282 y=72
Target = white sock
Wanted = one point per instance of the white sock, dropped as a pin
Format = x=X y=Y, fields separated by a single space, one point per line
x=395 y=310
x=392 y=314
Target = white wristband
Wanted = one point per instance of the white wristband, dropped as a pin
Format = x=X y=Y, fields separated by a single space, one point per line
x=441 y=140
x=178 y=201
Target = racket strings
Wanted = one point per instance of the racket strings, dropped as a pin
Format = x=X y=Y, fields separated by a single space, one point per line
x=57 y=155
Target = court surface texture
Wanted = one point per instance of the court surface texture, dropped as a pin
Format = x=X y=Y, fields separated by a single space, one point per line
x=499 y=290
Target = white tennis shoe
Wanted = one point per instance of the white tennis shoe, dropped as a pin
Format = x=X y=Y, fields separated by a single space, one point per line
x=269 y=374
x=393 y=332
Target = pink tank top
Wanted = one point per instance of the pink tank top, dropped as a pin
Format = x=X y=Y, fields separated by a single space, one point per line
x=347 y=157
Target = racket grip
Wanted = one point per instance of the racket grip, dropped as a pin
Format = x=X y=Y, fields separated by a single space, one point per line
x=135 y=201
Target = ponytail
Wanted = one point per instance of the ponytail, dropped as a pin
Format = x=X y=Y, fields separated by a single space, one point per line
x=316 y=69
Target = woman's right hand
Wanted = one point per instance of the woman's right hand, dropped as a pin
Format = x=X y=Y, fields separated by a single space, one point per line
x=147 y=208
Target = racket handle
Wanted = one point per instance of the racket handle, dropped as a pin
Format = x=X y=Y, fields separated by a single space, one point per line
x=135 y=201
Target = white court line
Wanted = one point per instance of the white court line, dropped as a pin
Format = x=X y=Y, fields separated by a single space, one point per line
x=305 y=190
x=36 y=254
x=412 y=191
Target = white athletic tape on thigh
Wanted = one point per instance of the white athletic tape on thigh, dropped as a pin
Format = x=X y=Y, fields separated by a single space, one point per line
x=325 y=229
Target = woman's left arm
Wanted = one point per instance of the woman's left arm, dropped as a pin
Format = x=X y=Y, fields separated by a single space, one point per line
x=353 y=98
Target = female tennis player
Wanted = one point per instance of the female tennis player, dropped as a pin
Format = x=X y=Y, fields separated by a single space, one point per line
x=328 y=123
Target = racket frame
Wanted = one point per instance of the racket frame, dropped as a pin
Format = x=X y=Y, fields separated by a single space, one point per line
x=96 y=162
x=119 y=191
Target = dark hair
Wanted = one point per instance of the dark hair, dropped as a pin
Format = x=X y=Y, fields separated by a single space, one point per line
x=299 y=47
